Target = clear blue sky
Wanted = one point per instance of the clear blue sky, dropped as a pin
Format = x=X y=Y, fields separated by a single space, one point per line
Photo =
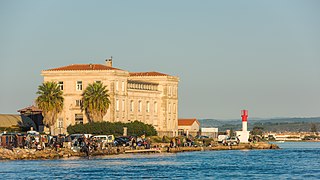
x=260 y=55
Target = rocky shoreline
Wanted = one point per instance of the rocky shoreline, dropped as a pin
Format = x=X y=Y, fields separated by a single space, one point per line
x=32 y=154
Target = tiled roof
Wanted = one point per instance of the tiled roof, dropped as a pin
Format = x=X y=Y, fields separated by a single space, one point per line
x=147 y=74
x=83 y=67
x=30 y=109
x=187 y=122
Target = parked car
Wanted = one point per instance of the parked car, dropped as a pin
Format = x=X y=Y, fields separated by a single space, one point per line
x=105 y=138
x=201 y=137
x=122 y=141
x=231 y=141
x=221 y=138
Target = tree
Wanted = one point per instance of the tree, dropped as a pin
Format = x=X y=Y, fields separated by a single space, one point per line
x=95 y=101
x=50 y=101
x=257 y=130
x=135 y=128
x=313 y=128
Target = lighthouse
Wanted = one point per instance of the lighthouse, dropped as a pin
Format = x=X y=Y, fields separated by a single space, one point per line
x=244 y=134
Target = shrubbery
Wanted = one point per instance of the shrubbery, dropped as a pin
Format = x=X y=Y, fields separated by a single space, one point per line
x=135 y=128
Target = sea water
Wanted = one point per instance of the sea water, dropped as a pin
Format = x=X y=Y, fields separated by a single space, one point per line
x=299 y=160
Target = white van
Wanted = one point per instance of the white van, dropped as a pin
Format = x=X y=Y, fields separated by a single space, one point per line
x=105 y=138
x=221 y=138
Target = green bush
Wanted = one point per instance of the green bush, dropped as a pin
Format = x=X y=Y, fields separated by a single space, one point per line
x=135 y=128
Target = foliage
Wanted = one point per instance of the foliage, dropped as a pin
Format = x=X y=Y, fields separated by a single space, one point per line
x=50 y=101
x=95 y=101
x=275 y=125
x=313 y=127
x=156 y=139
x=311 y=137
x=257 y=130
x=135 y=128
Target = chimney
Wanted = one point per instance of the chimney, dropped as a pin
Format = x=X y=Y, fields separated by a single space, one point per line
x=109 y=62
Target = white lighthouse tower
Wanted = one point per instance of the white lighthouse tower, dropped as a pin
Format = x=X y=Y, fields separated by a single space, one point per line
x=244 y=134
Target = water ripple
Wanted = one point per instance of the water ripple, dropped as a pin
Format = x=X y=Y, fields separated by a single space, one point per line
x=294 y=161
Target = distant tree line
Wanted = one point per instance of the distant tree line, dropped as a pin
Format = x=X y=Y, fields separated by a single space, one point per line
x=135 y=128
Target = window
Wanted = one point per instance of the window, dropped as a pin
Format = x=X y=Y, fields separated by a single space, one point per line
x=117 y=86
x=148 y=107
x=169 y=110
x=122 y=86
x=79 y=86
x=117 y=105
x=139 y=106
x=60 y=85
x=170 y=90
x=123 y=105
x=131 y=106
x=79 y=118
x=78 y=103
x=174 y=108
x=60 y=123
x=155 y=107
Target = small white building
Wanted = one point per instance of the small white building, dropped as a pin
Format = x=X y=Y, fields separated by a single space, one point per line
x=210 y=132
x=188 y=126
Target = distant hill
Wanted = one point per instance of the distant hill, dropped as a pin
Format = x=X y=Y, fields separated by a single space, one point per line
x=274 y=124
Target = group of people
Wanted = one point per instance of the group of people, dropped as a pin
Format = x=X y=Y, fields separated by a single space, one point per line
x=176 y=142
x=27 y=141
x=140 y=142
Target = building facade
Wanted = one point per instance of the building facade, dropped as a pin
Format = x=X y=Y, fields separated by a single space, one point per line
x=210 y=132
x=149 y=97
x=188 y=127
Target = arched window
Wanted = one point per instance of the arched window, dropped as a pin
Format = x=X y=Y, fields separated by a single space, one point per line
x=155 y=107
x=140 y=106
x=131 y=106
x=117 y=105
x=148 y=106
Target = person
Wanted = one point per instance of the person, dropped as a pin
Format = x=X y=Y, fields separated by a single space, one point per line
x=171 y=143
x=178 y=142
x=55 y=144
x=134 y=144
x=189 y=142
x=163 y=139
x=85 y=149
x=184 y=141
x=174 y=143
x=23 y=142
x=28 y=141
x=148 y=143
x=15 y=141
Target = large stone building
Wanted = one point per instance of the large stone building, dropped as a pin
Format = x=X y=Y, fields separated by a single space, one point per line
x=149 y=97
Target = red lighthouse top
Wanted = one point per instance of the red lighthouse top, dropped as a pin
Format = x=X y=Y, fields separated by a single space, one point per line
x=244 y=115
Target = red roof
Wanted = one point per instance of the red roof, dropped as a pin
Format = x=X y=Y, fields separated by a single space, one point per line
x=187 y=122
x=30 y=109
x=147 y=74
x=83 y=67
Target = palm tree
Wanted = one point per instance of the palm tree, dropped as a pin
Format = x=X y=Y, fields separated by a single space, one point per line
x=50 y=101
x=95 y=101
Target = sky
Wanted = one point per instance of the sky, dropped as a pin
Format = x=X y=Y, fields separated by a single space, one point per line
x=263 y=56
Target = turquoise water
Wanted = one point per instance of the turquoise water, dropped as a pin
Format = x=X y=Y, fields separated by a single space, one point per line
x=294 y=161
